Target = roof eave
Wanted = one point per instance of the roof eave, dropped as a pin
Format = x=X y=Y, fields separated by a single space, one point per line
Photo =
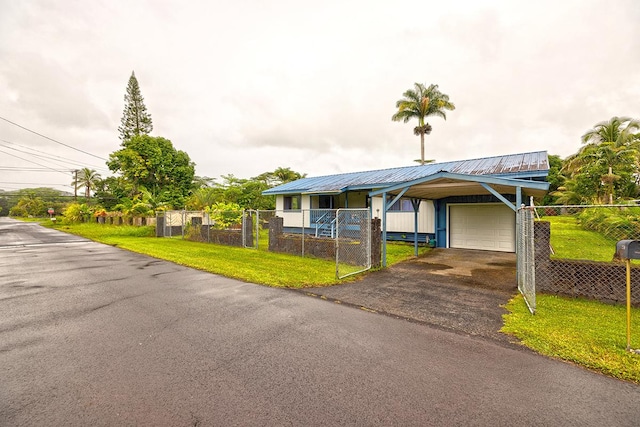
x=534 y=186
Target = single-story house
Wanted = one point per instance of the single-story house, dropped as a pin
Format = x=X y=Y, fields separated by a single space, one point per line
x=459 y=204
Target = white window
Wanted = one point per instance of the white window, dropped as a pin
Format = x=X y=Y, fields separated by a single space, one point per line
x=292 y=203
x=402 y=205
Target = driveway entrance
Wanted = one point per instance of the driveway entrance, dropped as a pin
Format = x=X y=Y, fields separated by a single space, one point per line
x=456 y=289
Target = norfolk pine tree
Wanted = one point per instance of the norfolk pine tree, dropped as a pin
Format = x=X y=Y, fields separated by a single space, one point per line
x=135 y=119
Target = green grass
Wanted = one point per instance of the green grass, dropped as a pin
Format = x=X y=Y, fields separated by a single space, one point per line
x=401 y=251
x=256 y=266
x=585 y=332
x=570 y=241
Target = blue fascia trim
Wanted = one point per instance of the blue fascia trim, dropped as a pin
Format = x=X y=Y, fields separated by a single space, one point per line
x=469 y=178
x=521 y=175
x=321 y=193
x=280 y=193
x=367 y=187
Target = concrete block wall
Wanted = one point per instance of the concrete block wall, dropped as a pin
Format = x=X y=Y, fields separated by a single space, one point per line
x=603 y=281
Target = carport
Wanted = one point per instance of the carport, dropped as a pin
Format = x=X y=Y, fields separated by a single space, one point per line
x=444 y=187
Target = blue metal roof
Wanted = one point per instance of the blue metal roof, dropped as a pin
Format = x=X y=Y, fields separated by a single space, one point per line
x=524 y=166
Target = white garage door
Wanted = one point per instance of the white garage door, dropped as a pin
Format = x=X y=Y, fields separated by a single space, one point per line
x=490 y=227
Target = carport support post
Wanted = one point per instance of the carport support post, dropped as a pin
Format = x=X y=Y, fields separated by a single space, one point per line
x=416 y=206
x=386 y=206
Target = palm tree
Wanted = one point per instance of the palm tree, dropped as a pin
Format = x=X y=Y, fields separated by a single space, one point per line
x=618 y=130
x=567 y=194
x=203 y=197
x=606 y=157
x=283 y=175
x=87 y=178
x=421 y=102
x=609 y=159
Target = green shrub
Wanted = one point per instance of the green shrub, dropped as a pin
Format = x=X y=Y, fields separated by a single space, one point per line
x=77 y=212
x=224 y=215
x=615 y=223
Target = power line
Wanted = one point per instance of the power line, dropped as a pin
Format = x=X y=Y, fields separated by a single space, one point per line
x=51 y=139
x=40 y=156
x=32 y=183
x=31 y=169
x=57 y=196
x=44 y=154
x=30 y=161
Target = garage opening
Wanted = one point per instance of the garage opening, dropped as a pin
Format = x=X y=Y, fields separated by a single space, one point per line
x=490 y=227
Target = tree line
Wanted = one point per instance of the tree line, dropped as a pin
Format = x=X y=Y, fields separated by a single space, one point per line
x=605 y=170
x=150 y=174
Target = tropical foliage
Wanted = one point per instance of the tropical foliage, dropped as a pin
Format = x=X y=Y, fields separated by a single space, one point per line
x=153 y=164
x=419 y=103
x=21 y=202
x=86 y=179
x=605 y=169
x=246 y=193
x=224 y=215
x=614 y=223
x=77 y=212
x=150 y=174
x=29 y=205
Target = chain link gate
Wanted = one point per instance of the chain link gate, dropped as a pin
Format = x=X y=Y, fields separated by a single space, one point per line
x=353 y=241
x=525 y=257
x=173 y=223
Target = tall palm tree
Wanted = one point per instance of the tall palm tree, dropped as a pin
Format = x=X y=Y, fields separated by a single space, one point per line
x=87 y=178
x=421 y=102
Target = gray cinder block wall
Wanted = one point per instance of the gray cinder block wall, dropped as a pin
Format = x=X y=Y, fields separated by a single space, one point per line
x=603 y=281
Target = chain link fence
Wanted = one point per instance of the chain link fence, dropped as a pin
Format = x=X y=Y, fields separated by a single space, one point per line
x=233 y=228
x=311 y=232
x=343 y=235
x=353 y=241
x=525 y=257
x=171 y=223
x=575 y=251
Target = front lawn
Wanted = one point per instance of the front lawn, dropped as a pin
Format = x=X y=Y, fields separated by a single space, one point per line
x=570 y=241
x=585 y=332
x=250 y=265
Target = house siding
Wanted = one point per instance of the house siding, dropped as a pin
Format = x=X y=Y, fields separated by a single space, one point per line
x=403 y=222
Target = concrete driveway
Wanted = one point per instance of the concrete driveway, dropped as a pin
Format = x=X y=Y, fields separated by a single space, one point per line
x=454 y=289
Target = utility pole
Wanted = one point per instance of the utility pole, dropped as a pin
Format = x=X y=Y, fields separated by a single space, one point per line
x=75 y=185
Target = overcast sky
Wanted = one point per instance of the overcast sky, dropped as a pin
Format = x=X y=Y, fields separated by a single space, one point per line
x=247 y=86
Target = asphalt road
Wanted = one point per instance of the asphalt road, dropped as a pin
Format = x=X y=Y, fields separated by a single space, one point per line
x=93 y=335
